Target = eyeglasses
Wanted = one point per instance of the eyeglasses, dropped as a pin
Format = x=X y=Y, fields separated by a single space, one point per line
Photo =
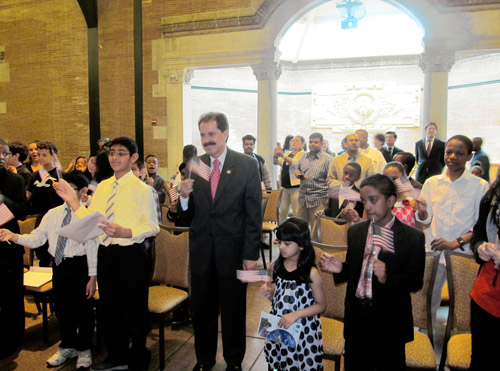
x=118 y=154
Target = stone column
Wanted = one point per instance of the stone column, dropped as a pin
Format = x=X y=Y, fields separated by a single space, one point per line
x=436 y=65
x=178 y=115
x=267 y=74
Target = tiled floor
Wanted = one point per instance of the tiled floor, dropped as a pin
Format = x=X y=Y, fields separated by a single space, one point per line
x=179 y=351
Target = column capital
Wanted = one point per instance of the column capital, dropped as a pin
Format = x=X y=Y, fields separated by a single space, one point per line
x=437 y=61
x=177 y=75
x=267 y=71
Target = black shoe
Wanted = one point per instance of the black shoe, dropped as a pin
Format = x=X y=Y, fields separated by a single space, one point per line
x=202 y=367
x=233 y=368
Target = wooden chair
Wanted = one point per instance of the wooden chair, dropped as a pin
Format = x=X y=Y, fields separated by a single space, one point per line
x=264 y=205
x=26 y=226
x=332 y=320
x=270 y=219
x=420 y=352
x=172 y=274
x=461 y=272
x=331 y=233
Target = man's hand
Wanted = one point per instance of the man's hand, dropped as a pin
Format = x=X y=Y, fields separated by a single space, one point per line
x=6 y=235
x=330 y=263
x=440 y=244
x=68 y=194
x=299 y=174
x=91 y=287
x=114 y=230
x=379 y=271
x=249 y=265
x=186 y=187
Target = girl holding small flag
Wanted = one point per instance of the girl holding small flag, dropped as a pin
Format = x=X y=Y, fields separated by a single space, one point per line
x=297 y=297
x=385 y=262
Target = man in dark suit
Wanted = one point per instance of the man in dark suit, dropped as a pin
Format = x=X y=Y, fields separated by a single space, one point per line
x=226 y=226
x=13 y=195
x=389 y=150
x=480 y=158
x=429 y=153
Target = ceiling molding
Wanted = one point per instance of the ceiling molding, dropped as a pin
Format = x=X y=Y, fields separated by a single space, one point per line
x=466 y=5
x=216 y=25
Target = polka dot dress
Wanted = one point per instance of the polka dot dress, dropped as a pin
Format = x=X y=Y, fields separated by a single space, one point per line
x=290 y=296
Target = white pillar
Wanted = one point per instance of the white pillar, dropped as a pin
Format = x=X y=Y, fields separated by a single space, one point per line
x=267 y=74
x=436 y=65
x=178 y=115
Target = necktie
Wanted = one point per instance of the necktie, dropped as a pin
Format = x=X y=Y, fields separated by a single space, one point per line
x=214 y=177
x=428 y=147
x=61 y=241
x=390 y=153
x=110 y=213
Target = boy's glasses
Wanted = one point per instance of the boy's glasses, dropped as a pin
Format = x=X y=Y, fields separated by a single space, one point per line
x=118 y=154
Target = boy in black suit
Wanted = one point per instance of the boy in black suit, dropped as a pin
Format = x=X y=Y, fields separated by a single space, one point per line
x=429 y=153
x=385 y=262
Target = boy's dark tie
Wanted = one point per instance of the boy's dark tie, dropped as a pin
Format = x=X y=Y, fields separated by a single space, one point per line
x=61 y=241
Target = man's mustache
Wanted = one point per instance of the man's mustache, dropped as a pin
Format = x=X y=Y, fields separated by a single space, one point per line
x=209 y=144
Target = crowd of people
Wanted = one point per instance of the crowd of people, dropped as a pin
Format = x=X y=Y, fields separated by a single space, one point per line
x=395 y=217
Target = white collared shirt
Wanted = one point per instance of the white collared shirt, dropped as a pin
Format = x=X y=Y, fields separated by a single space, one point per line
x=134 y=208
x=377 y=157
x=51 y=223
x=452 y=207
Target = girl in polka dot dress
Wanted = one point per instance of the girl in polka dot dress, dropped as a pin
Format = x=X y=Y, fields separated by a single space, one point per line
x=404 y=206
x=297 y=296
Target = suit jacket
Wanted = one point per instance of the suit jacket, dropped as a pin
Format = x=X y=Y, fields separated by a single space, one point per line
x=405 y=273
x=333 y=209
x=230 y=226
x=385 y=152
x=14 y=196
x=431 y=165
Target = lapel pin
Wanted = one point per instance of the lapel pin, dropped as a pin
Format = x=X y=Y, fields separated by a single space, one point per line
x=228 y=172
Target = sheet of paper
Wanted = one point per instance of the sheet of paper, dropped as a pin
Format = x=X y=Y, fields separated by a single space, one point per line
x=83 y=229
x=37 y=277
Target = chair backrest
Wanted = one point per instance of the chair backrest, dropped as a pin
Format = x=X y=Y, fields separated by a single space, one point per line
x=273 y=206
x=264 y=206
x=25 y=227
x=334 y=294
x=420 y=300
x=172 y=257
x=331 y=233
x=461 y=271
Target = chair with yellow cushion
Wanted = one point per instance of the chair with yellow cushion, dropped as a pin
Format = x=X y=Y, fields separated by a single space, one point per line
x=171 y=273
x=420 y=352
x=332 y=319
x=332 y=233
x=264 y=206
x=270 y=219
x=461 y=272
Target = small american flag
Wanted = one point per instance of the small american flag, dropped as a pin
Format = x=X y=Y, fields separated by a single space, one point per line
x=384 y=238
x=5 y=214
x=173 y=194
x=199 y=167
x=253 y=276
x=403 y=187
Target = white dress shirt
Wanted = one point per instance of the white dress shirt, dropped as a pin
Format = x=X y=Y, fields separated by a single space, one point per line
x=51 y=223
x=453 y=207
x=134 y=208
x=377 y=158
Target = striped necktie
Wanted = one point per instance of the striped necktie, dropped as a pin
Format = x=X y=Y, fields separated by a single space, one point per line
x=110 y=213
x=214 y=177
x=61 y=241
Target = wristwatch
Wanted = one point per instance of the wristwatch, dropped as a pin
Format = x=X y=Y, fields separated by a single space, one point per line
x=461 y=243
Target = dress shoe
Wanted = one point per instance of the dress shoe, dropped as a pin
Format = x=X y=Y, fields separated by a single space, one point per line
x=233 y=368
x=202 y=367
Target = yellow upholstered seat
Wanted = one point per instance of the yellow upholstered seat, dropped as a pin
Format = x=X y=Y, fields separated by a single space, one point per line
x=331 y=233
x=270 y=217
x=461 y=272
x=420 y=352
x=172 y=274
x=333 y=336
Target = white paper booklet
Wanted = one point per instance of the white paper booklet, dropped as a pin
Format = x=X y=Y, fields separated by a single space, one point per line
x=269 y=329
